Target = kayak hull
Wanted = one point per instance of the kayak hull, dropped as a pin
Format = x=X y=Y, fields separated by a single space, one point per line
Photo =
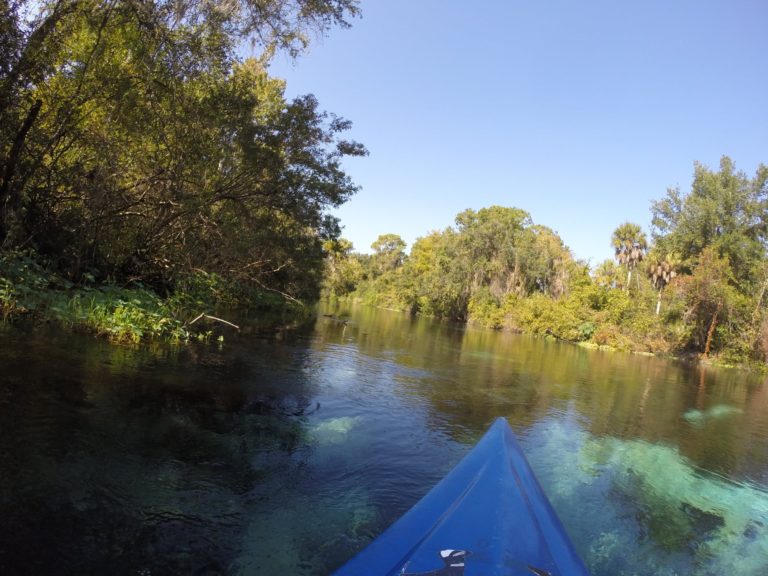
x=488 y=516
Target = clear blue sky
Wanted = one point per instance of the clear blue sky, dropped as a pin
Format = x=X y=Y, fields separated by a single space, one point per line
x=579 y=112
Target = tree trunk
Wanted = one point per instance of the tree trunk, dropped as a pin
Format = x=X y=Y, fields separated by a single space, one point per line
x=658 y=303
x=756 y=316
x=711 y=330
x=29 y=59
x=629 y=278
x=9 y=199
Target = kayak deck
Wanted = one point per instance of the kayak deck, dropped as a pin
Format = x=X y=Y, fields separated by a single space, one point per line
x=488 y=516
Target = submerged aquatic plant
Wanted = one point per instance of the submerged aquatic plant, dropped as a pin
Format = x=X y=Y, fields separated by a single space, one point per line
x=635 y=507
x=717 y=412
x=309 y=536
x=333 y=430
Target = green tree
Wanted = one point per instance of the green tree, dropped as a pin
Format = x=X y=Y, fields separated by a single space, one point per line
x=493 y=253
x=343 y=270
x=711 y=300
x=440 y=279
x=724 y=210
x=661 y=270
x=546 y=263
x=606 y=275
x=135 y=140
x=629 y=243
x=489 y=245
x=389 y=253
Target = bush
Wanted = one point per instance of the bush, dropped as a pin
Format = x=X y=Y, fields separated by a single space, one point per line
x=540 y=314
x=25 y=283
x=609 y=335
x=126 y=314
x=485 y=310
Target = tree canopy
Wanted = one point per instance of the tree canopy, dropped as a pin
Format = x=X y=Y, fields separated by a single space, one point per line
x=629 y=244
x=490 y=254
x=724 y=210
x=135 y=142
x=707 y=261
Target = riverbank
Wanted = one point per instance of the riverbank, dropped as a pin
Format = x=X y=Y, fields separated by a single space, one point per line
x=130 y=313
x=622 y=326
x=31 y=292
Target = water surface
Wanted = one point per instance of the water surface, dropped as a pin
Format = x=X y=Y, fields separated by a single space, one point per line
x=287 y=453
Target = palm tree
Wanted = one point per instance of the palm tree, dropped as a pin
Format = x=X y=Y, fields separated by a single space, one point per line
x=630 y=244
x=661 y=270
x=606 y=274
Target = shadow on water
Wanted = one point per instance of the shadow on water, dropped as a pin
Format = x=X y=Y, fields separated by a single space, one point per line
x=286 y=452
x=144 y=461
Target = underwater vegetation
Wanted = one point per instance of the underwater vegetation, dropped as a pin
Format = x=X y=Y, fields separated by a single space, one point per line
x=333 y=430
x=634 y=507
x=717 y=412
x=302 y=536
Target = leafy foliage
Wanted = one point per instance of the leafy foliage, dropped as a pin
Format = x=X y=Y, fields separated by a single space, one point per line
x=469 y=272
x=342 y=272
x=724 y=210
x=498 y=269
x=134 y=313
x=630 y=244
x=136 y=144
x=27 y=287
x=389 y=253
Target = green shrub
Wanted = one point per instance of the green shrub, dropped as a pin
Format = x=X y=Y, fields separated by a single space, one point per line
x=29 y=289
x=586 y=330
x=540 y=314
x=485 y=310
x=126 y=315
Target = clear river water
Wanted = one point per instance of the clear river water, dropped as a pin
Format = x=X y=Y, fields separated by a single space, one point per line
x=285 y=453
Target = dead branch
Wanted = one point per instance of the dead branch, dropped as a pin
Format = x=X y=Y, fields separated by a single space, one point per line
x=214 y=318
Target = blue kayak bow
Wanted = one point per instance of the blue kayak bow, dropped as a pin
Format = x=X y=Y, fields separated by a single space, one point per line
x=488 y=516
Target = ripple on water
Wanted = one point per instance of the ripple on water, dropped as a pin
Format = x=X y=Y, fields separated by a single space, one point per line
x=287 y=457
x=307 y=534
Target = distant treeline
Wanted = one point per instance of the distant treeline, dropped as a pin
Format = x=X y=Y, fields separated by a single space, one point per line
x=697 y=287
x=136 y=144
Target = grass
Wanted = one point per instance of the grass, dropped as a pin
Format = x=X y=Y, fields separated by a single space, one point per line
x=126 y=314
x=30 y=290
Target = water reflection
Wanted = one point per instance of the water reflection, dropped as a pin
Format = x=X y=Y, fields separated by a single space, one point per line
x=678 y=452
x=476 y=375
x=125 y=459
x=286 y=455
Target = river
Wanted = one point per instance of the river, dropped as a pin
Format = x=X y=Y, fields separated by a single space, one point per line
x=285 y=453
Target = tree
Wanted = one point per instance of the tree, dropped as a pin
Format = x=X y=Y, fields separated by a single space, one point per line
x=343 y=270
x=546 y=263
x=606 y=274
x=719 y=229
x=439 y=275
x=489 y=243
x=389 y=253
x=629 y=243
x=492 y=253
x=137 y=142
x=661 y=270
x=724 y=210
x=711 y=299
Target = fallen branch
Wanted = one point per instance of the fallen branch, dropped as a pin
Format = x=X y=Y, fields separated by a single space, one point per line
x=209 y=317
x=283 y=294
